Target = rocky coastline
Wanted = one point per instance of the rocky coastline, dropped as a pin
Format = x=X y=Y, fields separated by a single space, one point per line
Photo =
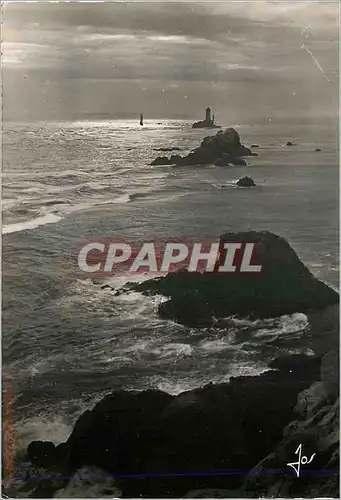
x=221 y=440
x=284 y=286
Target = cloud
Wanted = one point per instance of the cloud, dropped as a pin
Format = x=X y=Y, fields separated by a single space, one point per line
x=192 y=46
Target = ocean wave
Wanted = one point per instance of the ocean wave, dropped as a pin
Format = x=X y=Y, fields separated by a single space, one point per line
x=152 y=347
x=31 y=224
x=215 y=345
x=59 y=213
x=231 y=184
x=196 y=380
x=43 y=428
x=285 y=325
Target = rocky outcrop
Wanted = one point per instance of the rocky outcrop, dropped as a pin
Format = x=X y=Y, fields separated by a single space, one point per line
x=205 y=124
x=284 y=286
x=170 y=445
x=246 y=182
x=225 y=146
x=235 y=437
x=167 y=149
x=161 y=160
x=316 y=428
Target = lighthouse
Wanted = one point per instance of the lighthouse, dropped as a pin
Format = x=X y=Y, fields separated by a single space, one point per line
x=208 y=122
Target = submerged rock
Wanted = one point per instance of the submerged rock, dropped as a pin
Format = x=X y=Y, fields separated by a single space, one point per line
x=284 y=286
x=239 y=161
x=107 y=286
x=167 y=149
x=246 y=182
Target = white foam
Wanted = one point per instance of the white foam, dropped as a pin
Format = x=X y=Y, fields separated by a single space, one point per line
x=175 y=350
x=31 y=224
x=287 y=325
x=52 y=218
x=90 y=482
x=44 y=428
x=216 y=345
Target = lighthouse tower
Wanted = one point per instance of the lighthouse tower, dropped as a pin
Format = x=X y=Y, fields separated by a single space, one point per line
x=208 y=114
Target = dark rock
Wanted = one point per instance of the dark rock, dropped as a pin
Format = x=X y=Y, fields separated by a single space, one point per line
x=284 y=285
x=224 y=161
x=104 y=287
x=317 y=149
x=175 y=160
x=161 y=160
x=41 y=452
x=190 y=311
x=289 y=143
x=167 y=149
x=255 y=145
x=43 y=490
x=246 y=182
x=205 y=124
x=212 y=149
x=216 y=427
x=238 y=162
x=298 y=365
x=316 y=428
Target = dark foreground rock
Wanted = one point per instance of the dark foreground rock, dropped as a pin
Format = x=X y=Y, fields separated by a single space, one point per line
x=152 y=434
x=284 y=286
x=316 y=428
x=222 y=146
x=246 y=182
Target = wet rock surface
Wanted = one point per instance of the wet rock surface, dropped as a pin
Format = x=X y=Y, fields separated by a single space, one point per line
x=217 y=427
x=163 y=446
x=246 y=182
x=225 y=146
x=284 y=286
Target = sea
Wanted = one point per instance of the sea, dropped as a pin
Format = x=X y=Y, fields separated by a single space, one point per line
x=67 y=342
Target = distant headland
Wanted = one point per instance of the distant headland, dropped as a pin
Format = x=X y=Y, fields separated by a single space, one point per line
x=208 y=122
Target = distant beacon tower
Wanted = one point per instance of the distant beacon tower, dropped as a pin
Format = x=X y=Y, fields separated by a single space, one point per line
x=208 y=114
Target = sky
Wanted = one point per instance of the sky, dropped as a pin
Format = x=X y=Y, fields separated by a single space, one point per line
x=247 y=60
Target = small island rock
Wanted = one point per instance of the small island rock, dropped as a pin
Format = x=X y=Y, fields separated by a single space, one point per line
x=246 y=182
